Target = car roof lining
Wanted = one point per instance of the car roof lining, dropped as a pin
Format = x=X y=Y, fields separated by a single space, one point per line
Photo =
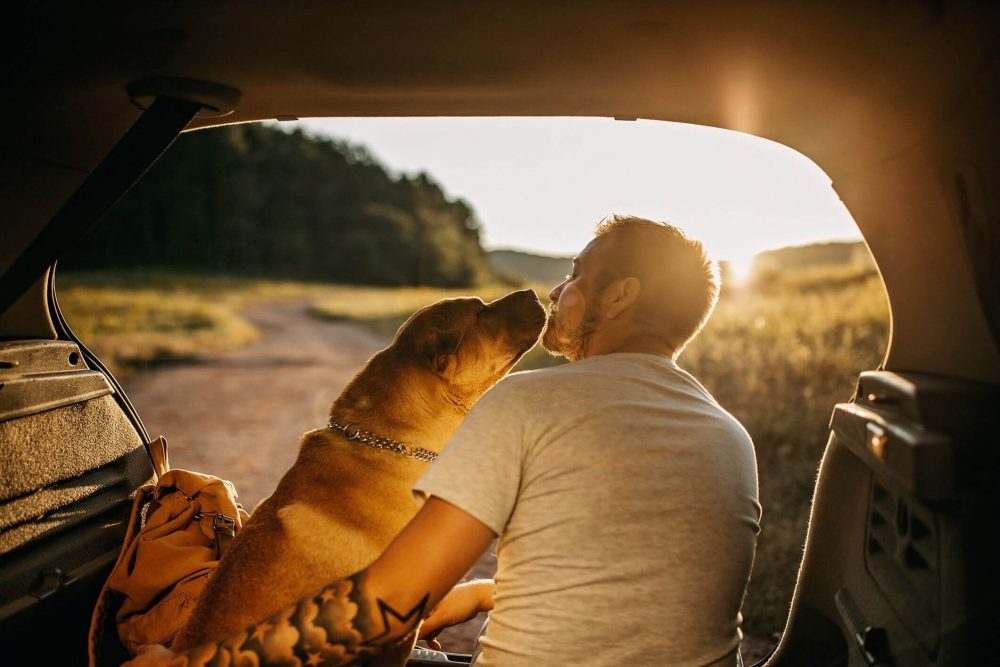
x=879 y=96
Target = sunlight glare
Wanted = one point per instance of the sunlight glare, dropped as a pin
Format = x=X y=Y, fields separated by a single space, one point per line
x=542 y=184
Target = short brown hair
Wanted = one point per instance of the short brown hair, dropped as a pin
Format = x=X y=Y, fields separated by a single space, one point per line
x=679 y=285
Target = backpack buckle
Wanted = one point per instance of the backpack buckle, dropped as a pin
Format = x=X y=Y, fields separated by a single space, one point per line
x=224 y=524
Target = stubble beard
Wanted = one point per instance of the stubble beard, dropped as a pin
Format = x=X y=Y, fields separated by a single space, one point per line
x=570 y=344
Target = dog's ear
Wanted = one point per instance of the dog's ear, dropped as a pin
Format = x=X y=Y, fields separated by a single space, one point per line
x=442 y=349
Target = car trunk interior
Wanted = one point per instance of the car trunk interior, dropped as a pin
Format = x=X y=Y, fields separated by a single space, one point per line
x=73 y=456
x=895 y=102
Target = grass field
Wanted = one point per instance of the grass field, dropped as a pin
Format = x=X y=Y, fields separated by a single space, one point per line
x=383 y=310
x=777 y=355
x=134 y=320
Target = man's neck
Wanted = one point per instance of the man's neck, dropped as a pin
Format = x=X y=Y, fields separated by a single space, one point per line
x=634 y=344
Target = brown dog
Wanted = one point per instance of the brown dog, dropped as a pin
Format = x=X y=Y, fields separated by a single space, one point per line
x=342 y=502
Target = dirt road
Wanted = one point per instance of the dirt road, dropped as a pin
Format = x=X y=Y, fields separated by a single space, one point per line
x=239 y=415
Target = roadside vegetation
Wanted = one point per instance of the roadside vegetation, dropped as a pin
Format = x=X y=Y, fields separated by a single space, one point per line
x=383 y=310
x=134 y=320
x=778 y=355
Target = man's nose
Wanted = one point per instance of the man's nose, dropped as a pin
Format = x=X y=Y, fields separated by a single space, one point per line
x=554 y=294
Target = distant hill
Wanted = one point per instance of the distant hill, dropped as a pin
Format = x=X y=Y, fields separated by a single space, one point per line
x=520 y=266
x=843 y=253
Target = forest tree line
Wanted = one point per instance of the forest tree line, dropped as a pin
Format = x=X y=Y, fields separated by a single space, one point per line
x=254 y=200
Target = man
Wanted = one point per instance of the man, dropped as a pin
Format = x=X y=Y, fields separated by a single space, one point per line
x=624 y=497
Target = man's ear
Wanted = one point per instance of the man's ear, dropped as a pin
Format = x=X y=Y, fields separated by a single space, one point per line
x=620 y=296
x=442 y=349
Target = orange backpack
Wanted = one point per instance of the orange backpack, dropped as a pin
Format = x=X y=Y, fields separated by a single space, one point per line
x=178 y=530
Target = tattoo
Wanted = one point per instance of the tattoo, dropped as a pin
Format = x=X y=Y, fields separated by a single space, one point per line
x=337 y=626
x=397 y=626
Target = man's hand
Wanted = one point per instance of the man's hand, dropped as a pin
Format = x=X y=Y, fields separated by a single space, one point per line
x=458 y=606
x=153 y=654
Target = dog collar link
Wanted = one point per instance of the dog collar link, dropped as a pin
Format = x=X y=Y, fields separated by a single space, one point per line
x=354 y=433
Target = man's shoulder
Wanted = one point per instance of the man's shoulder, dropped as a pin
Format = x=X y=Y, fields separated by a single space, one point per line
x=603 y=368
x=539 y=377
x=621 y=372
x=515 y=382
x=523 y=384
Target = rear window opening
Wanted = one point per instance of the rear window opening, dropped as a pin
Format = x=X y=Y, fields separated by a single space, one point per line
x=248 y=246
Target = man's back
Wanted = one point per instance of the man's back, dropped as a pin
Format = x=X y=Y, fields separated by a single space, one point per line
x=626 y=501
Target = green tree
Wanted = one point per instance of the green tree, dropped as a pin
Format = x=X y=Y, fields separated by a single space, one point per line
x=255 y=200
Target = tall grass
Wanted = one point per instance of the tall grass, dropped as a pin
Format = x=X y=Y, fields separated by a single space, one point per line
x=779 y=355
x=134 y=319
x=383 y=309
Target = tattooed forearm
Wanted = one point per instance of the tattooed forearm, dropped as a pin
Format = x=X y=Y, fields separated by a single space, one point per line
x=337 y=626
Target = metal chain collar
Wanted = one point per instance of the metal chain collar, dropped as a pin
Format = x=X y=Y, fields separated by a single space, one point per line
x=355 y=433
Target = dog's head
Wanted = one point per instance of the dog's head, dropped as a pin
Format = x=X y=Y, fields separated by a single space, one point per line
x=463 y=346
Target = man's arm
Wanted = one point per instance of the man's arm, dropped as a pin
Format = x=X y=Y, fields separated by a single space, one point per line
x=363 y=614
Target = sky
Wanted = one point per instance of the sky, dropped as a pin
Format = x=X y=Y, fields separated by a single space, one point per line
x=542 y=184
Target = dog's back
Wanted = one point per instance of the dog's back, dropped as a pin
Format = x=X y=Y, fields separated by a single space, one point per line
x=331 y=515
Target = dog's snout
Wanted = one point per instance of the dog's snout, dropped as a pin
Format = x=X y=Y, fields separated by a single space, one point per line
x=524 y=301
x=520 y=295
x=522 y=305
x=527 y=293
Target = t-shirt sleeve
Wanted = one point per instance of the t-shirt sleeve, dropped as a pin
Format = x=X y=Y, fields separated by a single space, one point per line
x=479 y=470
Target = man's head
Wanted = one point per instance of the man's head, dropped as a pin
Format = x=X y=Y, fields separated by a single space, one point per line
x=638 y=285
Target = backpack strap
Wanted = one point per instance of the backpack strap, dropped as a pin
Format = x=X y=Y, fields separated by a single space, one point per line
x=225 y=530
x=158 y=455
x=100 y=618
x=101 y=614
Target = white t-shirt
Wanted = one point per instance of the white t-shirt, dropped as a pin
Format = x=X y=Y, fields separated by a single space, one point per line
x=625 y=499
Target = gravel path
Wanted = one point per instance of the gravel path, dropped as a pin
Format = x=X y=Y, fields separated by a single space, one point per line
x=239 y=414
